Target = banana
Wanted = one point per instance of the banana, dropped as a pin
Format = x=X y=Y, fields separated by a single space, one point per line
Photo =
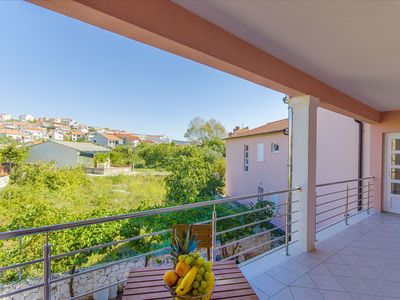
x=211 y=286
x=186 y=284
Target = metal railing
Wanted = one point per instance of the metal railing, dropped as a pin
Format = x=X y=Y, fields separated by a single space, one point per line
x=283 y=240
x=339 y=201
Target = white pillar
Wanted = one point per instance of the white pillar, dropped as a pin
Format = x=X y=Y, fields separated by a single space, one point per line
x=304 y=169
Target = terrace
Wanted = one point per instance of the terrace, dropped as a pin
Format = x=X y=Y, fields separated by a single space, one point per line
x=337 y=241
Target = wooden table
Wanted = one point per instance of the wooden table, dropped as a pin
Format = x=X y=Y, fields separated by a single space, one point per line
x=147 y=283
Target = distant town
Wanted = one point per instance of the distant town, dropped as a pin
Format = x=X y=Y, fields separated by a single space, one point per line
x=29 y=129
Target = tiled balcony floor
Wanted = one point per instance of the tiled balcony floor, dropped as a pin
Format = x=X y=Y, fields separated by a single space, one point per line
x=361 y=262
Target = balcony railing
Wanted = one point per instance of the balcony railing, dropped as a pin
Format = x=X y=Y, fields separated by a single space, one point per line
x=341 y=200
x=280 y=237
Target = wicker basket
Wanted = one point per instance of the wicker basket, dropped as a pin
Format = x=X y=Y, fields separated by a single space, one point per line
x=188 y=297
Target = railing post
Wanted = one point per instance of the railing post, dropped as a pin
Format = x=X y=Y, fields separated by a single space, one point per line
x=287 y=221
x=214 y=235
x=347 y=206
x=20 y=255
x=369 y=187
x=46 y=270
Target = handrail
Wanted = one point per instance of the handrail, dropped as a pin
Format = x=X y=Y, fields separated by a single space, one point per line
x=344 y=181
x=151 y=212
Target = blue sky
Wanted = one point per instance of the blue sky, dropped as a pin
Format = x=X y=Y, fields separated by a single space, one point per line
x=52 y=65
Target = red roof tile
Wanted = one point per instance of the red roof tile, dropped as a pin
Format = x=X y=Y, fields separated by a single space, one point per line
x=271 y=127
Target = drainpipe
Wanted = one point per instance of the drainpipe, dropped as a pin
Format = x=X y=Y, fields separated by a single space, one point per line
x=360 y=162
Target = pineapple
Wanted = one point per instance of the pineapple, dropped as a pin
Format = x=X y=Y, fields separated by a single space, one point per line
x=182 y=244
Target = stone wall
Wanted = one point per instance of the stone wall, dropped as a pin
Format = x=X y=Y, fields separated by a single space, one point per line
x=109 y=171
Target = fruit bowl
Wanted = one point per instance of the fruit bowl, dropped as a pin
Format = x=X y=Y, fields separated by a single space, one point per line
x=190 y=297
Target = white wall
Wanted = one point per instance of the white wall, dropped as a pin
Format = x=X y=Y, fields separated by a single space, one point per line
x=46 y=152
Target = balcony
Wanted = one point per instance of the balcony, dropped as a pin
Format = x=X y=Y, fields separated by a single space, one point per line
x=361 y=262
x=264 y=237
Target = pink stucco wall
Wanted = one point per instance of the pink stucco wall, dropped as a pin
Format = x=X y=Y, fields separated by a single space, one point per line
x=337 y=159
x=390 y=123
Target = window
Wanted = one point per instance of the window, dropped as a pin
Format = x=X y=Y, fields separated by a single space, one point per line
x=246 y=158
x=260 y=152
x=274 y=148
x=260 y=191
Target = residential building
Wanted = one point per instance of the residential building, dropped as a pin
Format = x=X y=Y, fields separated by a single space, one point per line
x=257 y=159
x=34 y=132
x=65 y=154
x=16 y=135
x=78 y=136
x=26 y=118
x=55 y=134
x=105 y=140
x=5 y=117
x=128 y=139
x=158 y=139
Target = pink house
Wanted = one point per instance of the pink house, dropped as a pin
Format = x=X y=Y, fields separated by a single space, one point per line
x=257 y=159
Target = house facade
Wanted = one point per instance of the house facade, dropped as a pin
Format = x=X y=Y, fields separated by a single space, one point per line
x=128 y=139
x=257 y=159
x=65 y=154
x=17 y=136
x=26 y=118
x=105 y=140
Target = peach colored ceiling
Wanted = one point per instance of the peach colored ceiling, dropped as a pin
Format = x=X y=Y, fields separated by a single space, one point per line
x=353 y=46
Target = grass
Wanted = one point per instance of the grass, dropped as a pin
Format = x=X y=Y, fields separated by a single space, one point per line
x=109 y=194
x=114 y=193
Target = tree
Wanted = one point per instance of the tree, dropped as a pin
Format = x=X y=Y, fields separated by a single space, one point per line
x=192 y=177
x=200 y=131
x=13 y=154
x=122 y=156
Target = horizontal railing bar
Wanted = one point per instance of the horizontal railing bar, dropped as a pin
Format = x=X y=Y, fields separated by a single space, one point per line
x=9 y=294
x=343 y=205
x=352 y=195
x=257 y=246
x=97 y=290
x=344 y=181
x=26 y=263
x=331 y=217
x=328 y=210
x=331 y=201
x=251 y=224
x=109 y=244
x=252 y=236
x=251 y=211
x=341 y=191
x=107 y=265
x=138 y=214
x=333 y=224
x=244 y=263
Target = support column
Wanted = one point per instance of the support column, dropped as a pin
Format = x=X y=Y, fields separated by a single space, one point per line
x=304 y=169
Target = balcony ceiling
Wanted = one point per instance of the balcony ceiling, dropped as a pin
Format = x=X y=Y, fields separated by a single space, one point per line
x=352 y=46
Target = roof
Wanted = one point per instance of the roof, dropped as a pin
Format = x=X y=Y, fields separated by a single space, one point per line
x=81 y=147
x=77 y=133
x=276 y=126
x=10 y=131
x=33 y=129
x=127 y=136
x=148 y=142
x=110 y=137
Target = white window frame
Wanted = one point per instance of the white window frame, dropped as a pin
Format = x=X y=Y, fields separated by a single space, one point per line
x=246 y=158
x=260 y=152
x=273 y=149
